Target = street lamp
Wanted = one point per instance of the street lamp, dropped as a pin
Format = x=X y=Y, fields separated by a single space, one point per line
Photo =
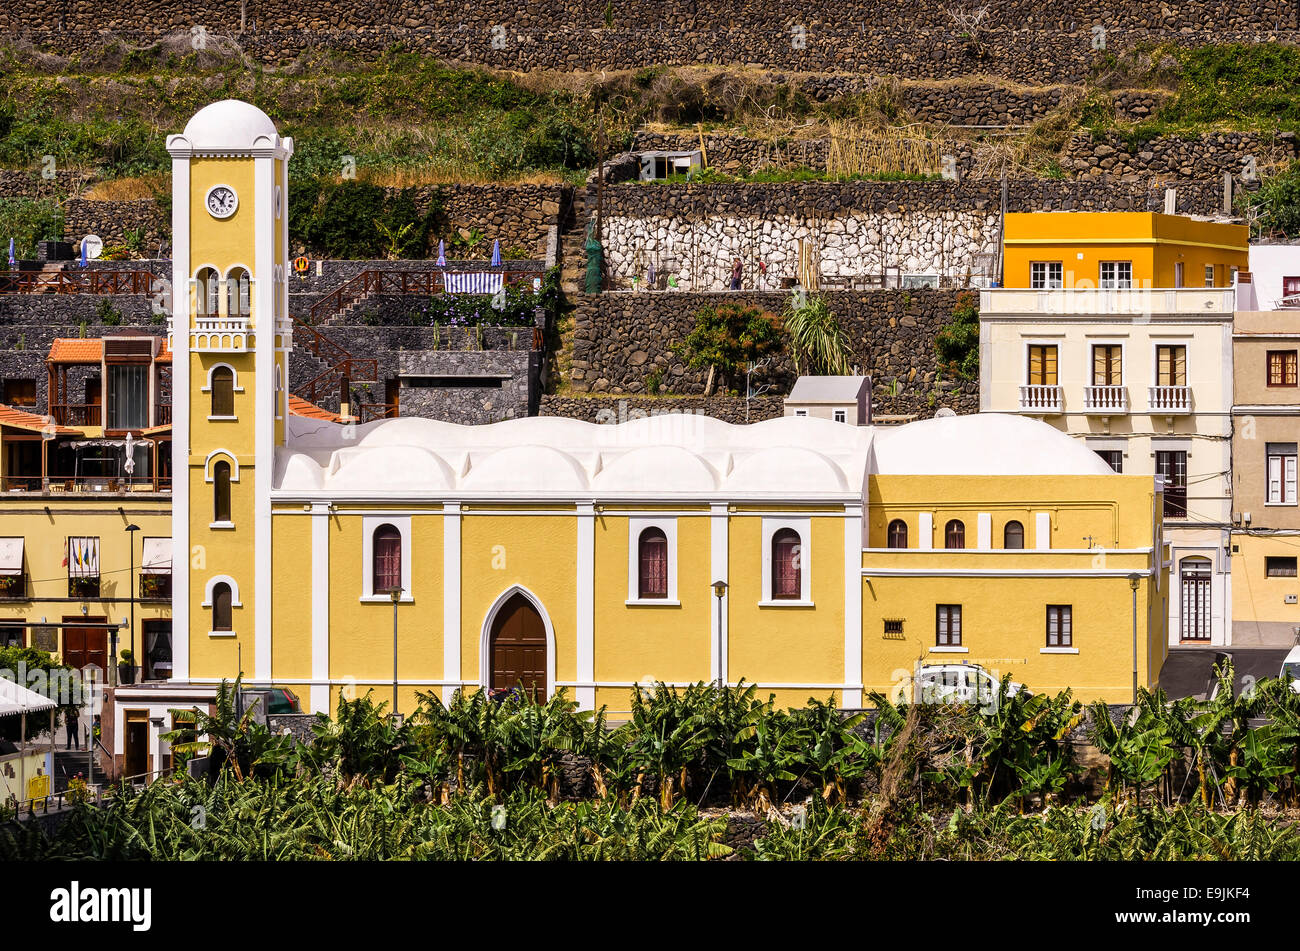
x=130 y=534
x=719 y=591
x=396 y=594
x=1133 y=580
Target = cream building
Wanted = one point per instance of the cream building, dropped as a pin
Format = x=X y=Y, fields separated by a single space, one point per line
x=1143 y=377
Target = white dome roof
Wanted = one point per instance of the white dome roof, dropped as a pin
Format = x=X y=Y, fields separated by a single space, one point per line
x=538 y=468
x=983 y=444
x=229 y=124
x=396 y=467
x=657 y=469
x=787 y=469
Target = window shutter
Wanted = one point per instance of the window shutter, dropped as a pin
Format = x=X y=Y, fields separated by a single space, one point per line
x=1275 y=478
x=1289 y=467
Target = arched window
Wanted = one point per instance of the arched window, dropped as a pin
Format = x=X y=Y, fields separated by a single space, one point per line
x=223 y=392
x=1013 y=536
x=652 y=556
x=237 y=292
x=388 y=559
x=786 y=574
x=221 y=602
x=898 y=533
x=221 y=491
x=954 y=535
x=205 y=290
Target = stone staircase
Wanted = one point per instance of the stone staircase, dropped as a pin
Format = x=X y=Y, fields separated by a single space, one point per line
x=573 y=239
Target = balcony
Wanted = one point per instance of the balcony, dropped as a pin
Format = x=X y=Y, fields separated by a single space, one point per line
x=77 y=485
x=1105 y=400
x=1040 y=399
x=77 y=414
x=222 y=334
x=1086 y=301
x=1170 y=400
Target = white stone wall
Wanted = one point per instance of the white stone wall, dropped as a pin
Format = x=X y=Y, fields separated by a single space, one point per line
x=700 y=252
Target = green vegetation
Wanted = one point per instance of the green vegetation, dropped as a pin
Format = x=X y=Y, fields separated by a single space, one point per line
x=353 y=219
x=36 y=670
x=958 y=342
x=1274 y=210
x=28 y=221
x=727 y=337
x=817 y=341
x=515 y=779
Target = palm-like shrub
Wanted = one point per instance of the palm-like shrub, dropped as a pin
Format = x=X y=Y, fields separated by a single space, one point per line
x=817 y=341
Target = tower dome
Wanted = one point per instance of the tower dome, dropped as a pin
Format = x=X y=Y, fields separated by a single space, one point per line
x=229 y=124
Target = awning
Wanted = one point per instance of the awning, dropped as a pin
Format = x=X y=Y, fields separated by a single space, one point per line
x=11 y=556
x=157 y=556
x=15 y=699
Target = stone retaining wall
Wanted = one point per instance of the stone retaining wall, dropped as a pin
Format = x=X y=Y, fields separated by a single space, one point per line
x=856 y=230
x=1018 y=39
x=1244 y=154
x=619 y=340
x=606 y=409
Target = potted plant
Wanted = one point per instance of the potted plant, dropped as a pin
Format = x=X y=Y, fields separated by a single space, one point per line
x=126 y=669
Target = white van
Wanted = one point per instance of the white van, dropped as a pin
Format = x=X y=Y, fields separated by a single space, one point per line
x=1291 y=668
x=957 y=683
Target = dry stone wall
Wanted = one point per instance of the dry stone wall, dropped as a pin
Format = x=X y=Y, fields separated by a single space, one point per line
x=855 y=230
x=621 y=340
x=607 y=410
x=1246 y=155
x=1018 y=39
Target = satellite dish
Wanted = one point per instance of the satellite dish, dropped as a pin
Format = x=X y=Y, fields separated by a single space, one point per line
x=942 y=412
x=94 y=246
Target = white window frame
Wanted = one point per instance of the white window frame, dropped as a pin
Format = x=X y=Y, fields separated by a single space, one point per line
x=1209 y=275
x=1093 y=344
x=1185 y=343
x=803 y=527
x=840 y=415
x=368 y=525
x=1280 y=471
x=208 y=477
x=635 y=526
x=234 y=602
x=801 y=412
x=1115 y=283
x=1055 y=342
x=1052 y=275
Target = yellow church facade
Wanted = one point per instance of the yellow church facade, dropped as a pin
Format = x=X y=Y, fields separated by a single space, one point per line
x=809 y=556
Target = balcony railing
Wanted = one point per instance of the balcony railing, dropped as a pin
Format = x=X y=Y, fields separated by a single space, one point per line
x=73 y=485
x=1170 y=399
x=77 y=414
x=1083 y=301
x=1040 y=398
x=1107 y=400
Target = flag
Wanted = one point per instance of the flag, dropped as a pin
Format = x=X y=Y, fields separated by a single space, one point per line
x=65 y=553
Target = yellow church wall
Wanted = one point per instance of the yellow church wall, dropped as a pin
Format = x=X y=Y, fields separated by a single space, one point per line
x=786 y=644
x=291 y=600
x=220 y=551
x=361 y=632
x=662 y=642
x=538 y=552
x=221 y=243
x=1004 y=631
x=236 y=434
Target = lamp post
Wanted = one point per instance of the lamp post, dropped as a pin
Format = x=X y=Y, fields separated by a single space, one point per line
x=1133 y=580
x=130 y=534
x=396 y=594
x=720 y=591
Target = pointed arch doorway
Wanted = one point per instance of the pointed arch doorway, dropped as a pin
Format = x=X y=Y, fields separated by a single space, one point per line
x=518 y=645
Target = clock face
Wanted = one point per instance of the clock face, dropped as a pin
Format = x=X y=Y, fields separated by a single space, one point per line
x=222 y=201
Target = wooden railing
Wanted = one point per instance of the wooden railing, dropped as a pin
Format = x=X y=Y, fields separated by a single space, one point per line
x=77 y=414
x=339 y=364
x=77 y=282
x=416 y=283
x=57 y=484
x=369 y=412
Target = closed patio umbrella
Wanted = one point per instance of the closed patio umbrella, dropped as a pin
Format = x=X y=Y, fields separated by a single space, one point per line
x=442 y=255
x=496 y=252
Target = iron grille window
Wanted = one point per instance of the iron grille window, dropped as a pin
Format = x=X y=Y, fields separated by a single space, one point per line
x=1013 y=536
x=1279 y=567
x=954 y=535
x=893 y=625
x=652 y=557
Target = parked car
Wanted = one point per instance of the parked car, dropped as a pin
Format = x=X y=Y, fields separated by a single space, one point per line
x=1291 y=668
x=958 y=683
x=268 y=701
